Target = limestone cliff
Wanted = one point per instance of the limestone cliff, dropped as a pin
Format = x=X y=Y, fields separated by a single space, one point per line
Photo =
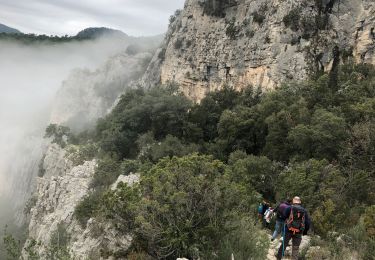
x=58 y=192
x=262 y=43
x=88 y=95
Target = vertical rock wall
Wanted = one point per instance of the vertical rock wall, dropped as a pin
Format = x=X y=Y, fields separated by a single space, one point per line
x=261 y=43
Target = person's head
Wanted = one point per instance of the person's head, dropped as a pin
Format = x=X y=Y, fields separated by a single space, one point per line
x=296 y=200
x=288 y=200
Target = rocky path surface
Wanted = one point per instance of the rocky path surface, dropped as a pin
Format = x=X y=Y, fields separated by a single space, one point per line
x=274 y=246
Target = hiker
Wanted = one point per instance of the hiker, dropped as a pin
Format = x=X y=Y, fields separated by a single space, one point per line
x=297 y=224
x=268 y=215
x=280 y=217
x=262 y=208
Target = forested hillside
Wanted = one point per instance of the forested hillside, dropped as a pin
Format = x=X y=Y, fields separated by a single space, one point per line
x=204 y=167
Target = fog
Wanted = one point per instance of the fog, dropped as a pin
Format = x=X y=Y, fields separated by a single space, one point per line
x=30 y=76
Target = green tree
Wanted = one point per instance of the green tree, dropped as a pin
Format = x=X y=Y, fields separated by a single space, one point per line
x=256 y=172
x=185 y=206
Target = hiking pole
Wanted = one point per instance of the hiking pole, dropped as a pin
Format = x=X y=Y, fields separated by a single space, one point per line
x=282 y=255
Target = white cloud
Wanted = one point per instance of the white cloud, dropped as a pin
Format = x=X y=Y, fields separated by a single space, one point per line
x=134 y=17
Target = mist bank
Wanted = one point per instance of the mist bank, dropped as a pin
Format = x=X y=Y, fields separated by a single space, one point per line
x=37 y=79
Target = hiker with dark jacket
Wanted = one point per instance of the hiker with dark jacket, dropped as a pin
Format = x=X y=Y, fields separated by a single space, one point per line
x=262 y=208
x=280 y=211
x=296 y=225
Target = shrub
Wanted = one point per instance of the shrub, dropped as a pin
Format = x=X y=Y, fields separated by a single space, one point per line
x=258 y=18
x=369 y=221
x=243 y=240
x=178 y=44
x=215 y=7
x=232 y=30
x=87 y=208
x=292 y=19
x=59 y=134
x=106 y=173
x=58 y=247
x=185 y=201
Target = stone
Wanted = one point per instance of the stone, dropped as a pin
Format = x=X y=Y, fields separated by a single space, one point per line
x=58 y=192
x=265 y=58
x=128 y=179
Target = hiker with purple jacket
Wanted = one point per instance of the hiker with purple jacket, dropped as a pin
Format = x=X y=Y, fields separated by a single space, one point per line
x=280 y=217
x=296 y=225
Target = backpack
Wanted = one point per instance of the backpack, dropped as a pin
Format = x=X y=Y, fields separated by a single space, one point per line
x=268 y=215
x=260 y=209
x=281 y=210
x=296 y=220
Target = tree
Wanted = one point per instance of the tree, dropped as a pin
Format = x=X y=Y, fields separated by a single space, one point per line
x=314 y=181
x=60 y=134
x=185 y=206
x=256 y=172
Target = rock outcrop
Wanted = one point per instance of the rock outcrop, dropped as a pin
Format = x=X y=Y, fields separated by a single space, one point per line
x=261 y=43
x=57 y=194
x=88 y=95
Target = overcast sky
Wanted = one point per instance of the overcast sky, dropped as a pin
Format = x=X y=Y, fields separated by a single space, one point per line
x=134 y=17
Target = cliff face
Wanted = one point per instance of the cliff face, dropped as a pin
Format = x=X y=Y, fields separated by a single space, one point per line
x=261 y=43
x=87 y=95
x=58 y=192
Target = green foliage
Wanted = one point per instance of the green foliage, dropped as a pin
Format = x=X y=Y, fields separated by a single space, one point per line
x=120 y=206
x=292 y=19
x=59 y=134
x=178 y=44
x=314 y=180
x=204 y=117
x=152 y=150
x=243 y=240
x=88 y=207
x=258 y=18
x=30 y=250
x=305 y=139
x=58 y=247
x=78 y=154
x=232 y=29
x=12 y=246
x=160 y=110
x=256 y=172
x=185 y=205
x=323 y=138
x=30 y=203
x=215 y=7
x=369 y=221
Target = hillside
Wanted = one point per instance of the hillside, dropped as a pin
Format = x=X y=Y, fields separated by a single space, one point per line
x=244 y=102
x=9 y=30
x=238 y=43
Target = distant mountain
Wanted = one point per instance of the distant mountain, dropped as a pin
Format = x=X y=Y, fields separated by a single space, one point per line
x=7 y=29
x=96 y=32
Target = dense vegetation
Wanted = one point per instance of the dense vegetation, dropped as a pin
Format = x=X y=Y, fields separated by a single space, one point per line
x=202 y=164
x=84 y=35
x=203 y=167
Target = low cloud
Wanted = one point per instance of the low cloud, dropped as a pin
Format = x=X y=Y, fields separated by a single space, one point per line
x=134 y=17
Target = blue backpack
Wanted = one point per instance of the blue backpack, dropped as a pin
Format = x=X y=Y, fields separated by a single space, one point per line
x=260 y=209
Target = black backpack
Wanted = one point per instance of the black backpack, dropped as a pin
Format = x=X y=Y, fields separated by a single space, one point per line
x=296 y=220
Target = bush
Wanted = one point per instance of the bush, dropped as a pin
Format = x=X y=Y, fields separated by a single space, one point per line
x=185 y=201
x=58 y=247
x=232 y=30
x=178 y=44
x=59 y=134
x=244 y=240
x=215 y=7
x=78 y=154
x=106 y=173
x=292 y=19
x=258 y=18
x=87 y=208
